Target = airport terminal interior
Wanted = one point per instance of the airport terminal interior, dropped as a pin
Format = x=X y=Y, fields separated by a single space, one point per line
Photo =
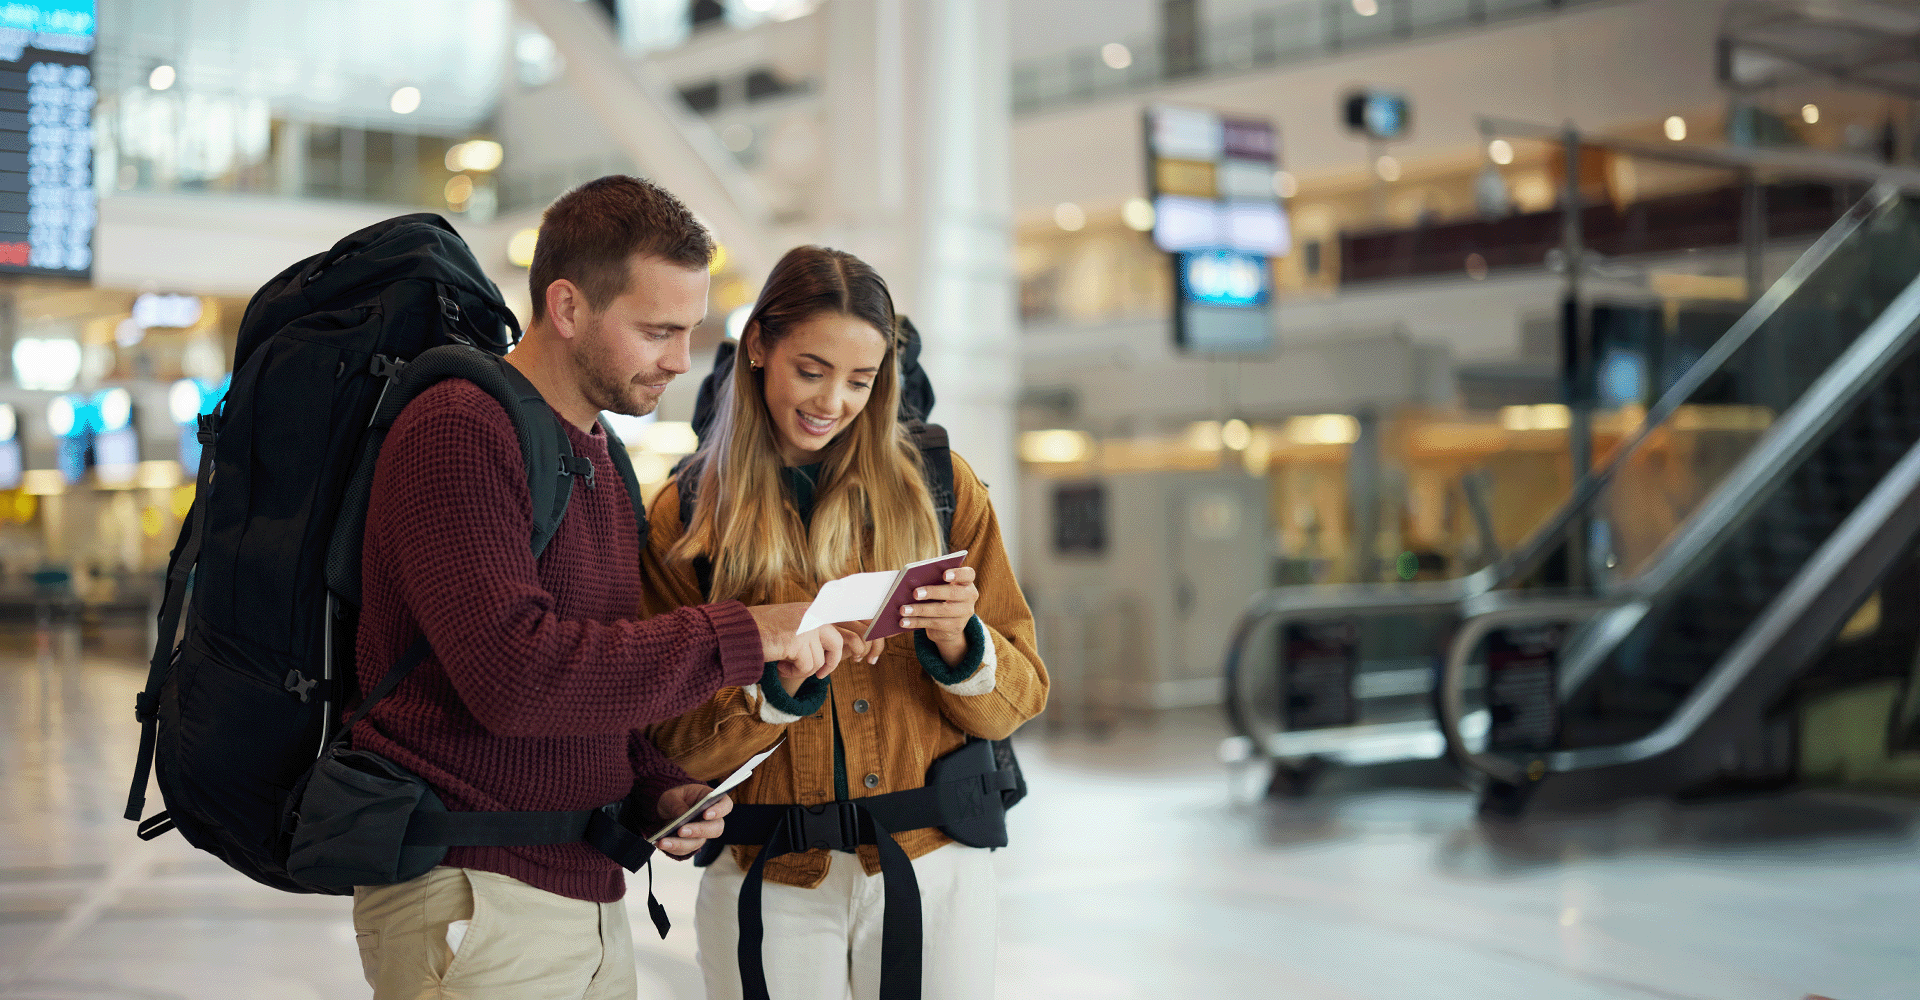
x=1462 y=456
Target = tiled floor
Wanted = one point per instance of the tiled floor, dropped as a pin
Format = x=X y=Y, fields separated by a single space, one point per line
x=1136 y=873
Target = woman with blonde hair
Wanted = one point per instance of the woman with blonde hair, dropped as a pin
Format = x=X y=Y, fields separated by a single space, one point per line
x=806 y=474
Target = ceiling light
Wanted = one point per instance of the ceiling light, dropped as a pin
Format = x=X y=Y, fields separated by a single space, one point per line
x=1327 y=428
x=1810 y=114
x=1676 y=128
x=1388 y=168
x=737 y=321
x=1366 y=8
x=480 y=155
x=184 y=401
x=671 y=437
x=1500 y=151
x=46 y=364
x=115 y=407
x=405 y=101
x=520 y=248
x=1116 y=55
x=62 y=418
x=1236 y=434
x=1069 y=216
x=1055 y=447
x=161 y=78
x=1137 y=213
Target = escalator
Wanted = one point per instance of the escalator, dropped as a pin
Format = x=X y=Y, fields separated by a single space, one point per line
x=1685 y=673
x=1761 y=503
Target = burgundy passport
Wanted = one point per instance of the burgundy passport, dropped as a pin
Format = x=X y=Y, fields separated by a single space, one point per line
x=913 y=576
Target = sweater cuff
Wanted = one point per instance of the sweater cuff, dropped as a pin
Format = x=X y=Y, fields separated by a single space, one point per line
x=738 y=639
x=779 y=708
x=650 y=787
x=973 y=675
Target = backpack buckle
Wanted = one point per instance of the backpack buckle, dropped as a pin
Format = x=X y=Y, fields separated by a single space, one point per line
x=209 y=429
x=449 y=310
x=299 y=684
x=384 y=367
x=574 y=465
x=829 y=826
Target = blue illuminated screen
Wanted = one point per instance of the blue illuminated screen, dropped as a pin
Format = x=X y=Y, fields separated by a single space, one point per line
x=1225 y=278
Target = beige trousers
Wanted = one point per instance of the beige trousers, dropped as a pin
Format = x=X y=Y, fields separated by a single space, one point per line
x=459 y=934
x=824 y=943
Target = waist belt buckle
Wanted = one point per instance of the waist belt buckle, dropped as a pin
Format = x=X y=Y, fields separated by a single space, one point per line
x=829 y=826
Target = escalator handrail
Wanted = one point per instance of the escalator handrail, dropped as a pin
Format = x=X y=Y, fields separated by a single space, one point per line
x=1264 y=607
x=1806 y=613
x=1284 y=604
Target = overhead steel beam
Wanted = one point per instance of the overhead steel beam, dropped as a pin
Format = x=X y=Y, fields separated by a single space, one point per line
x=646 y=118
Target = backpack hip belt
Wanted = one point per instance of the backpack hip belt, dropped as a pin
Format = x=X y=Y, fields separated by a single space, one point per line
x=964 y=792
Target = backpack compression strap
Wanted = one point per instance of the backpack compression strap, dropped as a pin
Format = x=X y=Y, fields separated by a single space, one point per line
x=179 y=571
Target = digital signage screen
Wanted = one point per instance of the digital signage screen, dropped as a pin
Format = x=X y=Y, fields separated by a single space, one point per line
x=1218 y=214
x=1223 y=301
x=47 y=206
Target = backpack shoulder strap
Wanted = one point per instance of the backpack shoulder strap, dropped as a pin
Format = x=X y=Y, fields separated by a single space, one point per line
x=936 y=459
x=687 y=481
x=623 y=464
x=551 y=464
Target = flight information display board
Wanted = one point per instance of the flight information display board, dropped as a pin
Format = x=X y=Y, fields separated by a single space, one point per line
x=1217 y=212
x=47 y=204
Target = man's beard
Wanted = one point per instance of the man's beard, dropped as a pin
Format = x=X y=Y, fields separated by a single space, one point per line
x=600 y=381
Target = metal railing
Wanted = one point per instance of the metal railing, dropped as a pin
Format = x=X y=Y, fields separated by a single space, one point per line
x=1275 y=36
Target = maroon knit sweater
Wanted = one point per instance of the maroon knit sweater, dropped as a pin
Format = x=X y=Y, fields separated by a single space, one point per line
x=540 y=678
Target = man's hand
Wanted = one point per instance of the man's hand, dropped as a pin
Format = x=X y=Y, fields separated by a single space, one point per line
x=814 y=653
x=688 y=840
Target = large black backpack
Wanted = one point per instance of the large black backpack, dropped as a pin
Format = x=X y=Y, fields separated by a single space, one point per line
x=936 y=462
x=330 y=351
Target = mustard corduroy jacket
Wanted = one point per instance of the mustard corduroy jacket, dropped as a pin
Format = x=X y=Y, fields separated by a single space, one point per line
x=894 y=718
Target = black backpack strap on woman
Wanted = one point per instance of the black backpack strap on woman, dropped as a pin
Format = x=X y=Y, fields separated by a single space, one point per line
x=964 y=797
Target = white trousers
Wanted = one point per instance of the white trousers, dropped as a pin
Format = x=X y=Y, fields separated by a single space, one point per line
x=824 y=943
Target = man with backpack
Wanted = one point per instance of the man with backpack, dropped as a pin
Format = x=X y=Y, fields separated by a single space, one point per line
x=541 y=675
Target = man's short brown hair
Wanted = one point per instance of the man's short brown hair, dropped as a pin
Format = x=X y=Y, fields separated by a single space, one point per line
x=588 y=235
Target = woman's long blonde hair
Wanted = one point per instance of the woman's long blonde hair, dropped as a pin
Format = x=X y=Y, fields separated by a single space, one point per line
x=872 y=511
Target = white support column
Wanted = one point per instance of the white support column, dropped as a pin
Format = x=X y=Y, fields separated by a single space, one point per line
x=965 y=292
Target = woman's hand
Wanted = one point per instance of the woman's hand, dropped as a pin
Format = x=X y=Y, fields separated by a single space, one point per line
x=943 y=611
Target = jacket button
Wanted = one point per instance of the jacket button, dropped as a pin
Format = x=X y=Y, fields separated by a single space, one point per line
x=861 y=706
x=872 y=780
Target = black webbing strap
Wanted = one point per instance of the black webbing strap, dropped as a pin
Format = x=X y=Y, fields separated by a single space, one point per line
x=186 y=555
x=842 y=826
x=415 y=655
x=900 y=923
